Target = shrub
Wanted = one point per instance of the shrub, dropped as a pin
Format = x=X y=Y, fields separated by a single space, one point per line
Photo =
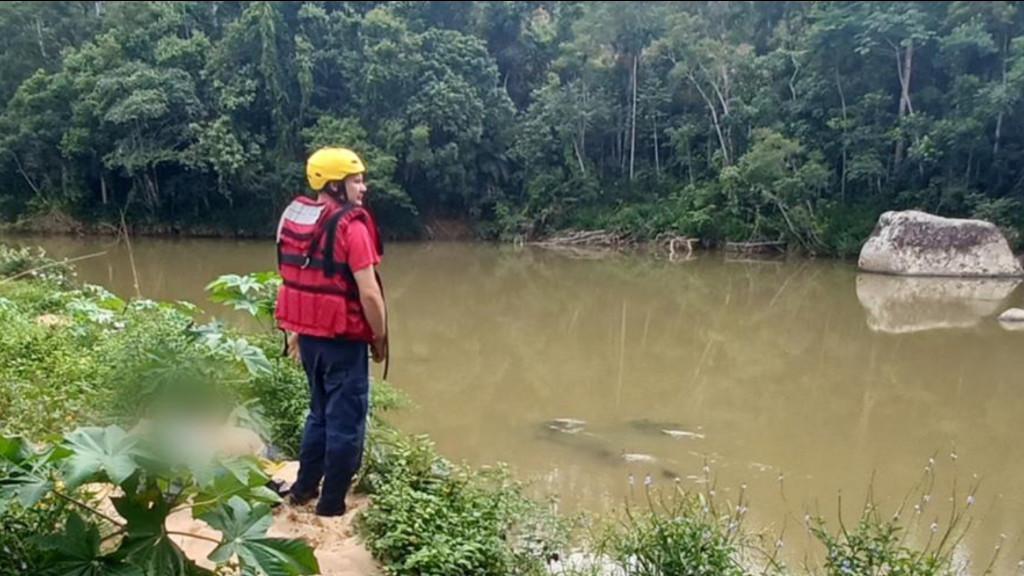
x=23 y=262
x=678 y=533
x=429 y=516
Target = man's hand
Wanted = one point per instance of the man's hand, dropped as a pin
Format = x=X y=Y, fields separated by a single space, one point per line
x=379 y=349
x=293 y=346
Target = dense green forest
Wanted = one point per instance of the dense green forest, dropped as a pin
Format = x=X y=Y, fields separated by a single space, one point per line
x=799 y=121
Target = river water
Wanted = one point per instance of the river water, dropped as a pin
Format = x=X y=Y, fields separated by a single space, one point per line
x=803 y=380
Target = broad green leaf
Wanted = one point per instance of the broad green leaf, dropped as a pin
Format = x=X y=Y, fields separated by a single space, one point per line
x=254 y=359
x=98 y=453
x=244 y=530
x=239 y=478
x=224 y=487
x=15 y=449
x=280 y=557
x=147 y=544
x=145 y=514
x=237 y=521
x=104 y=297
x=24 y=475
x=156 y=555
x=76 y=552
x=27 y=488
x=247 y=470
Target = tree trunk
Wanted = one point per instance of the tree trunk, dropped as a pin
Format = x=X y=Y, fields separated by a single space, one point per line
x=103 y=190
x=657 y=158
x=714 y=120
x=792 y=79
x=904 y=69
x=28 y=179
x=632 y=137
x=842 y=101
x=64 y=179
x=39 y=37
x=583 y=120
x=999 y=119
x=579 y=158
x=689 y=161
x=98 y=5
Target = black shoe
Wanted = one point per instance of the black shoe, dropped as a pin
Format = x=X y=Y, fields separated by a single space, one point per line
x=299 y=499
x=330 y=511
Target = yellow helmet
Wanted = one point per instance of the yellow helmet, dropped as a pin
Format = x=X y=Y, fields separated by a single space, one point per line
x=327 y=164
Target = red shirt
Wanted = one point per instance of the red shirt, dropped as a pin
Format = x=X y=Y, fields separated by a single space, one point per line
x=357 y=248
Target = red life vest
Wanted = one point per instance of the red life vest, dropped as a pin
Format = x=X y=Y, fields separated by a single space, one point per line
x=318 y=292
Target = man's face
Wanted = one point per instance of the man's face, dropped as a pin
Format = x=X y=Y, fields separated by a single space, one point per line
x=355 y=189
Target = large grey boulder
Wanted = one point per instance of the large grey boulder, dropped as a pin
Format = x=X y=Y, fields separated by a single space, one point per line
x=915 y=243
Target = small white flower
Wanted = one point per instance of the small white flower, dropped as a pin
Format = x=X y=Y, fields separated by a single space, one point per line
x=712 y=493
x=707 y=469
x=953 y=455
x=648 y=480
x=632 y=481
x=677 y=480
x=927 y=498
x=931 y=462
x=917 y=509
x=119 y=325
x=935 y=526
x=970 y=500
x=779 y=544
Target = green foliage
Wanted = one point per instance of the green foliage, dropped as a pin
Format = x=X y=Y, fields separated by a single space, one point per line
x=155 y=475
x=521 y=118
x=254 y=293
x=430 y=516
x=23 y=262
x=879 y=546
x=677 y=533
x=19 y=528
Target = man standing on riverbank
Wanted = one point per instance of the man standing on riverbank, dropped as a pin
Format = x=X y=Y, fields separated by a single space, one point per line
x=332 y=306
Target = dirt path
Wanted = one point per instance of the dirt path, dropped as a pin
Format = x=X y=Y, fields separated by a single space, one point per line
x=337 y=547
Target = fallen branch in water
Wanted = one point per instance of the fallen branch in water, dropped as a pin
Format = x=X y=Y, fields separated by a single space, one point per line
x=587 y=238
x=676 y=244
x=755 y=247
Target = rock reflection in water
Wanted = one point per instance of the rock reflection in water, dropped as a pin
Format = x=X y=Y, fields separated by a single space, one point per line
x=902 y=305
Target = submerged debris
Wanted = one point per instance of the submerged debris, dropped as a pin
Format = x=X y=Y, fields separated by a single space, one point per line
x=566 y=425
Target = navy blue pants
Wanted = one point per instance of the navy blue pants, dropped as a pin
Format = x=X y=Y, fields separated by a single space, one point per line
x=332 y=442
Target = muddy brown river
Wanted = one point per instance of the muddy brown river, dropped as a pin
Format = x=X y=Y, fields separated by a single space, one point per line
x=803 y=380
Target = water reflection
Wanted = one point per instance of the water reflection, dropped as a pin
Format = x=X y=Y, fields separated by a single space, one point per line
x=902 y=305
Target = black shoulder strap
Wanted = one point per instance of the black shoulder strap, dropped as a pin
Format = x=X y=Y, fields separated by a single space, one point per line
x=329 y=230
